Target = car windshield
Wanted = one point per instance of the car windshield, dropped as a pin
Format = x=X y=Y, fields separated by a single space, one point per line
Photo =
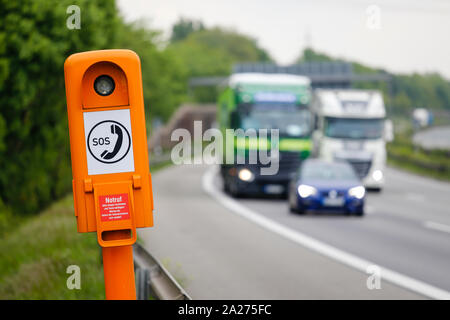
x=327 y=171
x=291 y=121
x=354 y=128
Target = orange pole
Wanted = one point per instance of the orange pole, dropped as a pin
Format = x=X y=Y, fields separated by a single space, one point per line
x=118 y=269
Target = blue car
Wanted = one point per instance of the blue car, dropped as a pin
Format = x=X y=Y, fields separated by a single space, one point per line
x=326 y=186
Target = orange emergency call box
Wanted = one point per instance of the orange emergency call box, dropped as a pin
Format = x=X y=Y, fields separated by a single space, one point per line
x=112 y=187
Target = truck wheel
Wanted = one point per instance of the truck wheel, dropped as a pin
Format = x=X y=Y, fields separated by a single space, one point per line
x=225 y=185
x=234 y=190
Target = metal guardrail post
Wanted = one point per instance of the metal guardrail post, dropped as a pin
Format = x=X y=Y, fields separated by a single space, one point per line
x=153 y=280
x=142 y=284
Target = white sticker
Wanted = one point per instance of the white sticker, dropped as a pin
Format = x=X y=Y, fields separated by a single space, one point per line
x=109 y=145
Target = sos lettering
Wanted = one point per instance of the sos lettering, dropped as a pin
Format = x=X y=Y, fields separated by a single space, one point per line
x=101 y=141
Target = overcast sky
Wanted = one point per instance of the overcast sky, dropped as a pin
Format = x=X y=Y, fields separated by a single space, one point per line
x=400 y=36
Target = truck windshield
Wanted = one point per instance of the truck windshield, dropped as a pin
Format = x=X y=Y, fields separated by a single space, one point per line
x=354 y=128
x=295 y=122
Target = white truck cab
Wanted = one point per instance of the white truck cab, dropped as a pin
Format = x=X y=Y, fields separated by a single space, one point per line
x=350 y=125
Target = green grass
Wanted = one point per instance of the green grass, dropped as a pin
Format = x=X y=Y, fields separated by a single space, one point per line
x=433 y=163
x=35 y=256
x=36 y=251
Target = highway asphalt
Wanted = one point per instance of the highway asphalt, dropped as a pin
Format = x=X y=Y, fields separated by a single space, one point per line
x=406 y=229
x=221 y=248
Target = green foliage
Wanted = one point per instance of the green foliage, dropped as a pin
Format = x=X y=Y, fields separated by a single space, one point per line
x=406 y=92
x=34 y=258
x=404 y=154
x=309 y=55
x=423 y=91
x=34 y=154
x=184 y=27
x=34 y=43
x=163 y=76
x=35 y=252
x=212 y=52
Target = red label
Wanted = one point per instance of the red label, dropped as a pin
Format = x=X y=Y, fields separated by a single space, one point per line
x=114 y=207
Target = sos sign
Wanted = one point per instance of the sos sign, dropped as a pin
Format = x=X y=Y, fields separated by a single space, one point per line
x=109 y=144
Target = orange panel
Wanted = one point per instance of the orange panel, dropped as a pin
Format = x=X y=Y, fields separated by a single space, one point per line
x=92 y=99
x=108 y=145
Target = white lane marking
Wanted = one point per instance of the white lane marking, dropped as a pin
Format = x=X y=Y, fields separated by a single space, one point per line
x=316 y=245
x=437 y=226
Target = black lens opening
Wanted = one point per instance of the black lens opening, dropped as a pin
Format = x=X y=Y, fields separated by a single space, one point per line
x=104 y=80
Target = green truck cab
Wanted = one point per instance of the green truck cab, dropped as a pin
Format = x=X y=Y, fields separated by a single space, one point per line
x=254 y=101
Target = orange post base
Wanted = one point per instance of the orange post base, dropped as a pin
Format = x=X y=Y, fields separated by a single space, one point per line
x=118 y=269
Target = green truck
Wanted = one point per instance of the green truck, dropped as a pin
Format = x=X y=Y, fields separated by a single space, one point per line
x=254 y=101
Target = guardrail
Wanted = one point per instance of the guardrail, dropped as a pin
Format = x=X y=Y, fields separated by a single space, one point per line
x=153 y=281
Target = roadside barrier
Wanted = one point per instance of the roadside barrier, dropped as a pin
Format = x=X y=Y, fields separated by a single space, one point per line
x=153 y=281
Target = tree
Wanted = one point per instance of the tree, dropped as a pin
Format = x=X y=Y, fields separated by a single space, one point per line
x=212 y=52
x=407 y=91
x=34 y=43
x=163 y=76
x=309 y=55
x=34 y=153
x=185 y=27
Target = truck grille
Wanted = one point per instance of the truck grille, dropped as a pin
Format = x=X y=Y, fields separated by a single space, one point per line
x=287 y=166
x=361 y=167
x=289 y=160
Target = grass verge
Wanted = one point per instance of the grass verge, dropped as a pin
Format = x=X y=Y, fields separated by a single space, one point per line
x=402 y=153
x=35 y=256
x=35 y=253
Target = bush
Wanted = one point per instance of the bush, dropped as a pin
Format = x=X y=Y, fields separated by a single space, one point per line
x=34 y=43
x=34 y=153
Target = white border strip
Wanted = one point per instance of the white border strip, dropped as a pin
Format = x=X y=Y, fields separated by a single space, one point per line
x=437 y=226
x=316 y=245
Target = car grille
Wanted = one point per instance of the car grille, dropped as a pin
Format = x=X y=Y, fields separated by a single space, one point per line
x=339 y=193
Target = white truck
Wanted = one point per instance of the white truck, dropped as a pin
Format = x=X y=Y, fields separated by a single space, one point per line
x=350 y=125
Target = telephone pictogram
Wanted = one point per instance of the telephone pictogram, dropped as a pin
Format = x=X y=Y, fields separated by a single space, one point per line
x=115 y=129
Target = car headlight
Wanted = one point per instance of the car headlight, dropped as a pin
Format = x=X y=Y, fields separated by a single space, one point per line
x=306 y=191
x=245 y=175
x=377 y=175
x=357 y=192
